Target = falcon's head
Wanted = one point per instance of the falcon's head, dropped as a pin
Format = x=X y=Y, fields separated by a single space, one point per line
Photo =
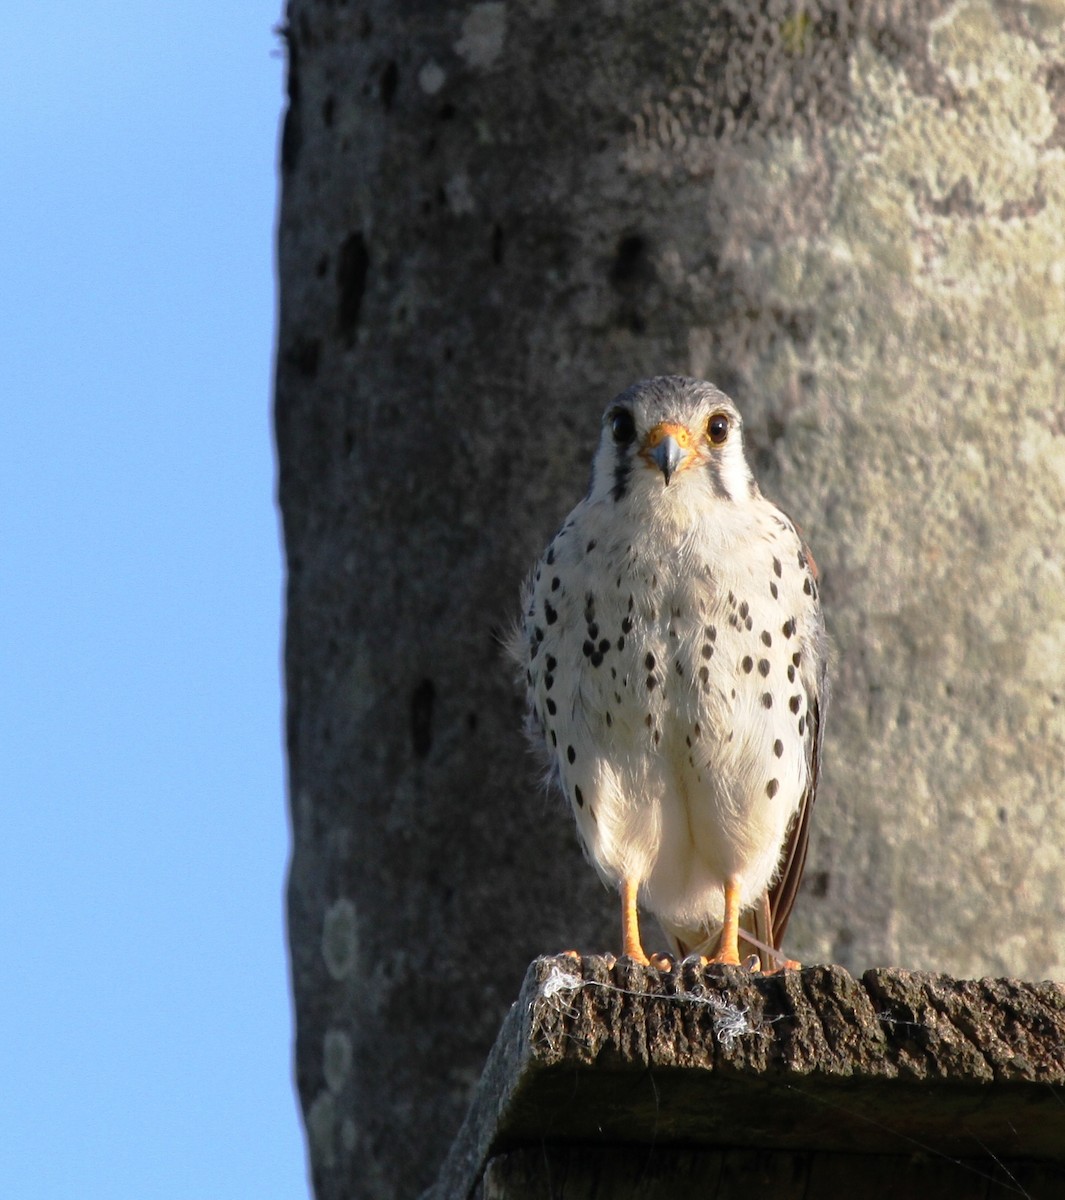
x=672 y=433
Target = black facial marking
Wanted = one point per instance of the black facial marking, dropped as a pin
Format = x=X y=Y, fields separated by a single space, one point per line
x=717 y=478
x=622 y=471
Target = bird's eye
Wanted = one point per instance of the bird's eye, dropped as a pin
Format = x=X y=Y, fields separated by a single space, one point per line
x=622 y=426
x=717 y=429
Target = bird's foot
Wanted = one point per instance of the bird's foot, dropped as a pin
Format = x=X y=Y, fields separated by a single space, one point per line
x=784 y=964
x=657 y=962
x=725 y=958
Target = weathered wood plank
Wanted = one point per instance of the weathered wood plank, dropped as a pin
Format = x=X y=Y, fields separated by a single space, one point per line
x=922 y=1068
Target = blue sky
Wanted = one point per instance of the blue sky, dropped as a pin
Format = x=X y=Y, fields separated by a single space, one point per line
x=145 y=1023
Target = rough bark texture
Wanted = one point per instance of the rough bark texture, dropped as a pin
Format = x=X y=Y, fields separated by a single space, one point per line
x=814 y=1083
x=493 y=217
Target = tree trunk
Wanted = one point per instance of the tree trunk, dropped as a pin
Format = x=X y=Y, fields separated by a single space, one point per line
x=494 y=216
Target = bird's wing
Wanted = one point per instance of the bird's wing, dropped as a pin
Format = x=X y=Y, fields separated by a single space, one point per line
x=793 y=857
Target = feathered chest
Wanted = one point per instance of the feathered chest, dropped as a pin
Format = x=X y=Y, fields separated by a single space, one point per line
x=640 y=635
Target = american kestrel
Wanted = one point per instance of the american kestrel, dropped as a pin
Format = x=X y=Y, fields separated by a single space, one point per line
x=674 y=654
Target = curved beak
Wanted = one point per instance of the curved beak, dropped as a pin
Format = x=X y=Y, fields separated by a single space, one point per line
x=669 y=447
x=667 y=454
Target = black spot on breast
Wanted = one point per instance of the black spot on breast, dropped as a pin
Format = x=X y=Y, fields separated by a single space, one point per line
x=777 y=571
x=807 y=587
x=556 y=583
x=649 y=661
x=651 y=682
x=747 y=663
x=763 y=667
x=773 y=589
x=767 y=699
x=552 y=707
x=795 y=703
x=704 y=678
x=549 y=681
x=796 y=658
x=593 y=630
x=550 y=555
x=745 y=609
x=571 y=754
x=591 y=546
x=422 y=700
x=778 y=748
x=621 y=643
x=711 y=632
x=626 y=625
x=708 y=650
x=772 y=787
x=550 y=614
x=679 y=666
x=791 y=673
x=788 y=628
x=767 y=638
x=551 y=662
x=578 y=795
